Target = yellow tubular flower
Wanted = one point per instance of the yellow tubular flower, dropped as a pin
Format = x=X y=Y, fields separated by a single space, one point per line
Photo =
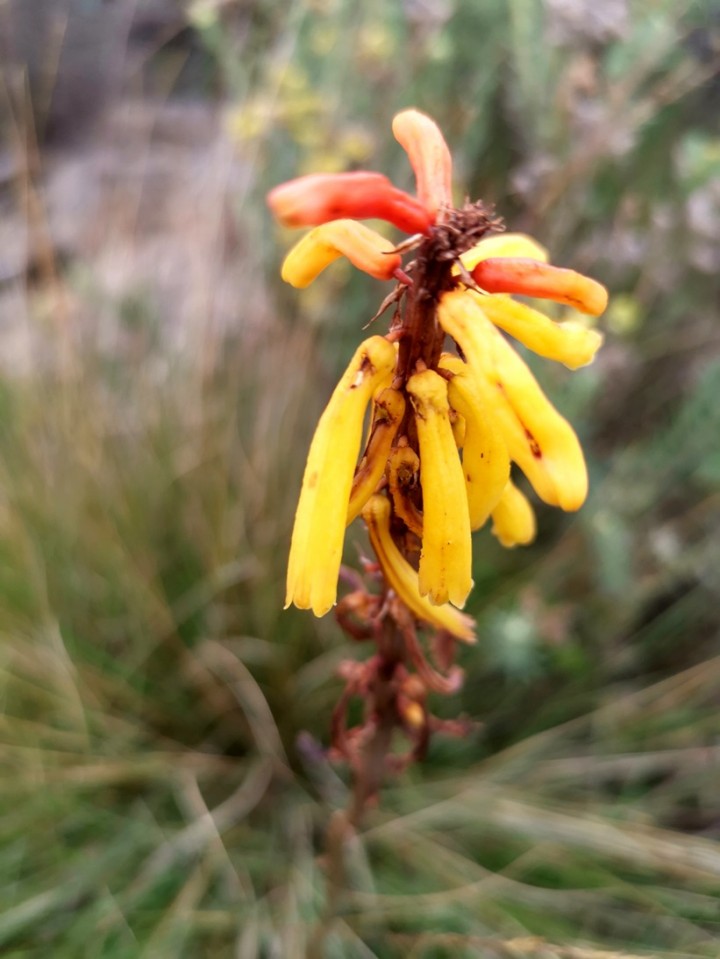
x=403 y=579
x=445 y=561
x=538 y=438
x=388 y=411
x=568 y=343
x=485 y=462
x=365 y=248
x=551 y=457
x=513 y=518
x=317 y=539
x=504 y=244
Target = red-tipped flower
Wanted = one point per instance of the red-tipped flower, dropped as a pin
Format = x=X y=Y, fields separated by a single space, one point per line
x=429 y=157
x=533 y=278
x=321 y=197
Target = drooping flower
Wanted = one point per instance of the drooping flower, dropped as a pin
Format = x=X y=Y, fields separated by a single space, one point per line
x=444 y=428
x=445 y=571
x=317 y=539
x=513 y=518
x=404 y=579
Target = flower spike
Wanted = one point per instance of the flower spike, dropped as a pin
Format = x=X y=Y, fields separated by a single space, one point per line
x=444 y=430
x=445 y=561
x=317 y=539
x=321 y=197
x=429 y=157
x=403 y=578
x=366 y=249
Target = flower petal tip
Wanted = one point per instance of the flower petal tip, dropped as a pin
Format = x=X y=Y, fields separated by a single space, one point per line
x=429 y=157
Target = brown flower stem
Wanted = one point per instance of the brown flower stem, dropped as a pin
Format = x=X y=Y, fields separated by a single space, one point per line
x=421 y=335
x=369 y=767
x=381 y=721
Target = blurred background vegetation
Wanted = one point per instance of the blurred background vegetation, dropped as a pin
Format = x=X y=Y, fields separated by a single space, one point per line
x=163 y=787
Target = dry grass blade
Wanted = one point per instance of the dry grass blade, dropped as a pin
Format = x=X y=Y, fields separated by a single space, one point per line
x=530 y=947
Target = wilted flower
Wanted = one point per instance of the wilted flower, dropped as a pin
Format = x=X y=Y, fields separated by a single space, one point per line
x=445 y=427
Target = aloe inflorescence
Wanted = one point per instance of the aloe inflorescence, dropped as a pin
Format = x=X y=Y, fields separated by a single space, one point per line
x=452 y=407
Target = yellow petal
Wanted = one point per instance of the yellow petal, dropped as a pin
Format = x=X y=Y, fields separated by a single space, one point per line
x=485 y=461
x=365 y=248
x=568 y=343
x=538 y=438
x=388 y=411
x=504 y=244
x=513 y=518
x=403 y=579
x=445 y=561
x=318 y=533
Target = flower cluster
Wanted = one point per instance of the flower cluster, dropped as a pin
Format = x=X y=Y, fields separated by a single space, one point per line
x=445 y=427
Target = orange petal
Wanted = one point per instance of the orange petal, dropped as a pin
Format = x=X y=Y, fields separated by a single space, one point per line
x=320 y=197
x=533 y=278
x=429 y=157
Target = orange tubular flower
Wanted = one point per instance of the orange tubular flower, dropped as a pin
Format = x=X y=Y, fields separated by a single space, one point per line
x=532 y=278
x=321 y=197
x=444 y=427
x=429 y=157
